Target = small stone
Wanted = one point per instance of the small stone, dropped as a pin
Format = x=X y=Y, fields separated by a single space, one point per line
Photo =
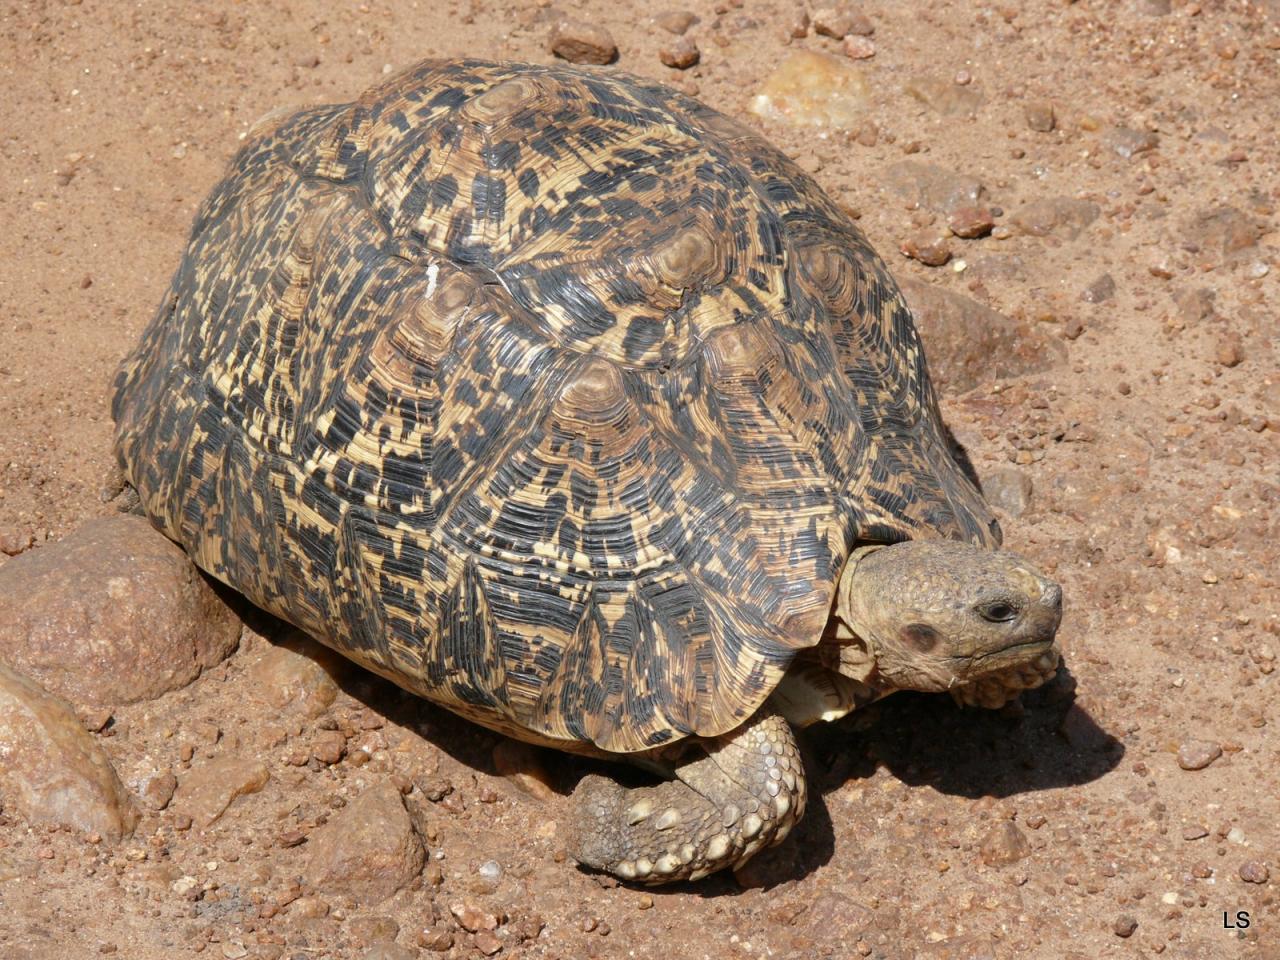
x=675 y=21
x=297 y=674
x=12 y=542
x=1254 y=871
x=1004 y=843
x=51 y=770
x=1224 y=230
x=1195 y=305
x=487 y=943
x=1127 y=143
x=369 y=850
x=930 y=247
x=329 y=746
x=681 y=54
x=971 y=222
x=1198 y=754
x=1062 y=217
x=1008 y=489
x=1124 y=926
x=835 y=22
x=208 y=790
x=435 y=939
x=1100 y=290
x=472 y=918
x=933 y=187
x=811 y=89
x=580 y=42
x=944 y=96
x=858 y=48
x=1040 y=116
x=309 y=908
x=1230 y=350
x=158 y=790
x=1196 y=832
x=1201 y=870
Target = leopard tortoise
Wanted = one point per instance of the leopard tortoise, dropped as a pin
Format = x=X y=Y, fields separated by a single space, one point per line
x=568 y=403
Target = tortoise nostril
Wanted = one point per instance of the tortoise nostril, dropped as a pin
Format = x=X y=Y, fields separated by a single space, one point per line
x=1052 y=596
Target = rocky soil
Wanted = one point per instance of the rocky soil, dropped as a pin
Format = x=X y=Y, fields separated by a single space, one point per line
x=1080 y=200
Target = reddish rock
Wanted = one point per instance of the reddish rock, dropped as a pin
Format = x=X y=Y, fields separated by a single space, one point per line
x=1004 y=844
x=1198 y=754
x=115 y=613
x=1254 y=871
x=929 y=246
x=580 y=42
x=369 y=850
x=675 y=21
x=968 y=343
x=680 y=54
x=858 y=48
x=51 y=770
x=971 y=222
x=205 y=793
x=297 y=674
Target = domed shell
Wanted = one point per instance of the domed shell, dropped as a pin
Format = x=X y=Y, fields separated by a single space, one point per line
x=554 y=396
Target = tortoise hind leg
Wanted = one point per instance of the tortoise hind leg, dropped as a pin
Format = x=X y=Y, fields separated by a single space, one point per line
x=744 y=795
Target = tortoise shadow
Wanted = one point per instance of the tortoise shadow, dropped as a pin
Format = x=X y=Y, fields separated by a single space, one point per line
x=1045 y=742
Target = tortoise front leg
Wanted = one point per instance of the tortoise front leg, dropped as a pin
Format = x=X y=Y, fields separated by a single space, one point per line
x=744 y=795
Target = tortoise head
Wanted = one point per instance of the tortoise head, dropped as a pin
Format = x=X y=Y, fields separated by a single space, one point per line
x=939 y=615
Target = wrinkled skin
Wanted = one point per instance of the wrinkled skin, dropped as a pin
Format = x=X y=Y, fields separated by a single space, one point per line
x=931 y=616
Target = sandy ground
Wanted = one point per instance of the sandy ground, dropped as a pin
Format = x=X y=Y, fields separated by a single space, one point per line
x=1152 y=452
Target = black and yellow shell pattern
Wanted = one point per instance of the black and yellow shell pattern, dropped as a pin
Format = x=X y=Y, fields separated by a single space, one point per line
x=554 y=396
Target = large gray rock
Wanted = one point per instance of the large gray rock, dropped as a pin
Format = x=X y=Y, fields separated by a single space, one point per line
x=115 y=613
x=51 y=770
x=968 y=344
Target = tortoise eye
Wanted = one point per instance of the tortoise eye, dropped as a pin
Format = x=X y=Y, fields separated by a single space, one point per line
x=998 y=611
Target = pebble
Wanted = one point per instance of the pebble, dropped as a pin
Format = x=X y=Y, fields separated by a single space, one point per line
x=115 y=613
x=1127 y=142
x=812 y=89
x=1008 y=489
x=1040 y=116
x=971 y=222
x=581 y=42
x=207 y=791
x=933 y=187
x=435 y=939
x=929 y=246
x=51 y=770
x=681 y=54
x=1124 y=926
x=297 y=674
x=472 y=918
x=1004 y=843
x=1198 y=754
x=329 y=746
x=369 y=850
x=1100 y=290
x=675 y=21
x=858 y=48
x=487 y=943
x=12 y=542
x=1229 y=351
x=839 y=22
x=1254 y=871
x=1062 y=217
x=159 y=789
x=1196 y=832
x=1223 y=229
x=945 y=96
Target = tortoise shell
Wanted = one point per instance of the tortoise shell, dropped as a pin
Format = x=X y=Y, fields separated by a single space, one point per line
x=554 y=396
